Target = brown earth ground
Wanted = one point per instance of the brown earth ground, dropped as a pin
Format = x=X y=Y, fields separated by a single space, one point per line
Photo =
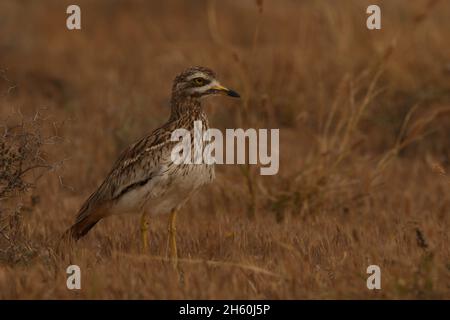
x=364 y=147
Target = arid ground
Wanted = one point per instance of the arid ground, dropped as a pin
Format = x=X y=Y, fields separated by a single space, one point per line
x=364 y=119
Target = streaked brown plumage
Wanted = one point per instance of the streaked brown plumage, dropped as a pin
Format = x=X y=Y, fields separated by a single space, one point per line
x=144 y=179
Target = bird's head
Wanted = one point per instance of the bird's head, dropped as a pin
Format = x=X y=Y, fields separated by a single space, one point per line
x=199 y=82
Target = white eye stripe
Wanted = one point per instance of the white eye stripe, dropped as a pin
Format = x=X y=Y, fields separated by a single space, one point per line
x=208 y=86
x=212 y=84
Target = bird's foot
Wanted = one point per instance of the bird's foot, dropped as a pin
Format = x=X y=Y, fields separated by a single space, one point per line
x=144 y=234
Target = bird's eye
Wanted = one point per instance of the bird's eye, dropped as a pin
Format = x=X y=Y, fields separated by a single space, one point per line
x=199 y=81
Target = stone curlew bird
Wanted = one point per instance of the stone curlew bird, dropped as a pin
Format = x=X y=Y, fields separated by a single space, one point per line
x=144 y=179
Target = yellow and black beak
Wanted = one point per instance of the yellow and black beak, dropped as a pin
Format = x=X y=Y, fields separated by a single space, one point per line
x=226 y=91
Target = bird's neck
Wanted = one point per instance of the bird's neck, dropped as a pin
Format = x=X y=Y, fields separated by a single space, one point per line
x=184 y=105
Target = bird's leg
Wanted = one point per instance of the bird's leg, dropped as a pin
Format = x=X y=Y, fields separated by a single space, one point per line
x=144 y=232
x=172 y=238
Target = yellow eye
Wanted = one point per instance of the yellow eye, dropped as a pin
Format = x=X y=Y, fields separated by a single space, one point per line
x=199 y=81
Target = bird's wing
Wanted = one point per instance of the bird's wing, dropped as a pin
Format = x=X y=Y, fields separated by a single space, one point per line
x=135 y=166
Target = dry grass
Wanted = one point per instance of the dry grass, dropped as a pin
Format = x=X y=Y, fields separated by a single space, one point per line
x=364 y=127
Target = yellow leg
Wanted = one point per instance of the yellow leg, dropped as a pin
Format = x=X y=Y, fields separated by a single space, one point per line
x=144 y=232
x=172 y=238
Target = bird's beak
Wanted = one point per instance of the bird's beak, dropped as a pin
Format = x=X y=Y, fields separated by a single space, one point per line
x=226 y=91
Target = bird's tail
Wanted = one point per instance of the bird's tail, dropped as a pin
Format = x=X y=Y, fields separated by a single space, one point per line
x=82 y=226
x=87 y=218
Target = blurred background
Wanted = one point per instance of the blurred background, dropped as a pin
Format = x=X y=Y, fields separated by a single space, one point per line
x=364 y=145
